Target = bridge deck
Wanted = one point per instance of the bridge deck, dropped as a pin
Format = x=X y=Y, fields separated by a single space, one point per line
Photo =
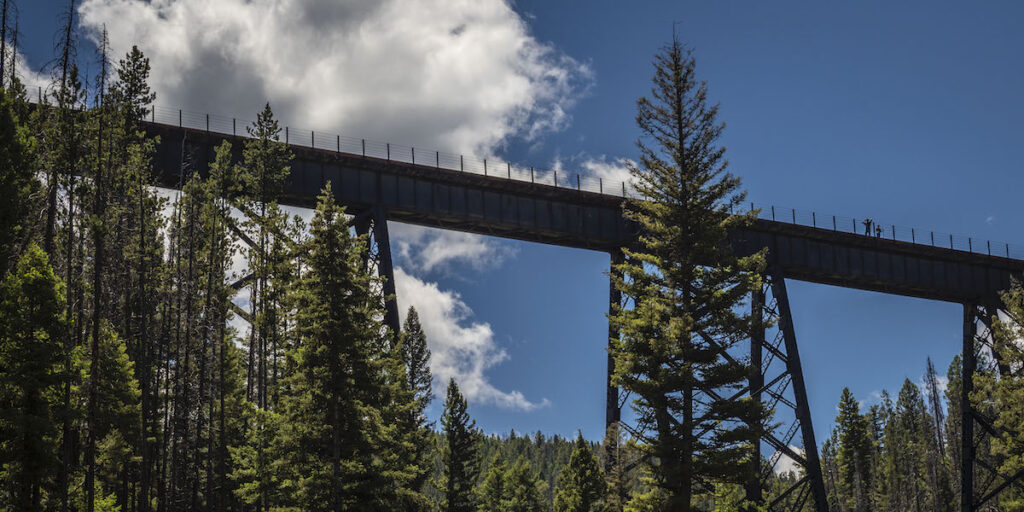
x=493 y=205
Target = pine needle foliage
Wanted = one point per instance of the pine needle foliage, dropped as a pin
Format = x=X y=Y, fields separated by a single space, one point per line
x=459 y=458
x=687 y=290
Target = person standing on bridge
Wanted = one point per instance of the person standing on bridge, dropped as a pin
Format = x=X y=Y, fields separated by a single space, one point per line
x=867 y=226
x=878 y=231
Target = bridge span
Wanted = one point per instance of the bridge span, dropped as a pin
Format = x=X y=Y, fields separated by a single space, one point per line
x=494 y=205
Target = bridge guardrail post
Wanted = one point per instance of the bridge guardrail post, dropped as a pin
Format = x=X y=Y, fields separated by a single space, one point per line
x=364 y=147
x=179 y=118
x=485 y=167
x=437 y=159
x=600 y=185
x=413 y=153
x=834 y=223
x=508 y=167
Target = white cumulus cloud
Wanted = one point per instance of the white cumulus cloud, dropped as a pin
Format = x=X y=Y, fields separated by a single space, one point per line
x=460 y=348
x=612 y=171
x=463 y=75
x=788 y=465
x=427 y=249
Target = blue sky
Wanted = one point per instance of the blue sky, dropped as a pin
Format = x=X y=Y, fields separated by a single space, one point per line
x=909 y=113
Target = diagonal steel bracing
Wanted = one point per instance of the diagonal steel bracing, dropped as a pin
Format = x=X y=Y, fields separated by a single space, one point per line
x=785 y=387
x=978 y=493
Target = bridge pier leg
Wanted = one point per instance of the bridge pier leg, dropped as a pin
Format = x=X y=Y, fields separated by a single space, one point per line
x=386 y=270
x=375 y=223
x=968 y=366
x=612 y=412
x=802 y=409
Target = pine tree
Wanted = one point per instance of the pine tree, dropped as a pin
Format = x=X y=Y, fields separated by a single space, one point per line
x=265 y=166
x=853 y=456
x=492 y=488
x=618 y=458
x=581 y=485
x=521 y=491
x=31 y=351
x=413 y=432
x=332 y=431
x=938 y=474
x=117 y=426
x=907 y=437
x=458 y=453
x=688 y=289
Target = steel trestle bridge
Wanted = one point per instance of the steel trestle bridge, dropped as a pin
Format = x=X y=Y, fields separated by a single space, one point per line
x=381 y=182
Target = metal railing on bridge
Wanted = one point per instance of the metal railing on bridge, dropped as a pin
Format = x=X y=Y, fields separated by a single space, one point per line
x=321 y=140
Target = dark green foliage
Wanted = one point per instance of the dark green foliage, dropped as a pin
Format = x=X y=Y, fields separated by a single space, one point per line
x=522 y=491
x=413 y=432
x=459 y=458
x=581 y=485
x=331 y=435
x=492 y=487
x=17 y=181
x=853 y=457
x=31 y=329
x=688 y=291
x=1007 y=391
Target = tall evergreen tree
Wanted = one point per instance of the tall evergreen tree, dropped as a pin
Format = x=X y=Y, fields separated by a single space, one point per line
x=687 y=288
x=908 y=437
x=581 y=485
x=331 y=436
x=853 y=456
x=492 y=487
x=31 y=333
x=413 y=432
x=264 y=168
x=459 y=458
x=521 y=491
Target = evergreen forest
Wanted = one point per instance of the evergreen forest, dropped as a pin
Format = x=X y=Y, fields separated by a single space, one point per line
x=130 y=380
